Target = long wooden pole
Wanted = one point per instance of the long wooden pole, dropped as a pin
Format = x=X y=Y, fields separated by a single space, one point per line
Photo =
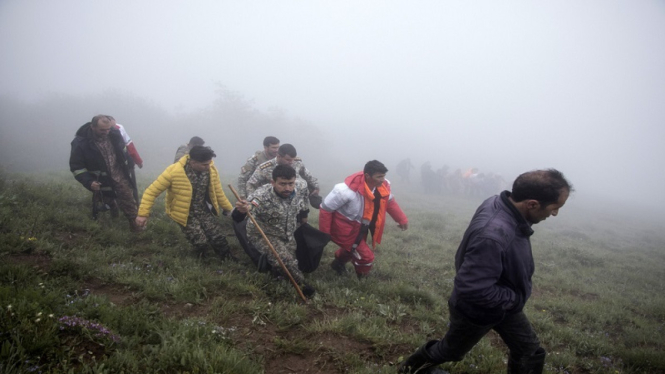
x=274 y=252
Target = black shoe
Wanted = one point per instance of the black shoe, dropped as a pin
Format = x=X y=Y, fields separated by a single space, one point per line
x=338 y=266
x=421 y=362
x=308 y=291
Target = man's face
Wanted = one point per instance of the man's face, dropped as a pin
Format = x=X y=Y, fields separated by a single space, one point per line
x=284 y=187
x=200 y=166
x=375 y=180
x=285 y=160
x=537 y=213
x=271 y=150
x=102 y=129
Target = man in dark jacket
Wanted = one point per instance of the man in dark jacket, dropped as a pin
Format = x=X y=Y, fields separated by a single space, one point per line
x=99 y=161
x=494 y=266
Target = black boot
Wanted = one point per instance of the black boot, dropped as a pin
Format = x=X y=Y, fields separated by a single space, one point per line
x=222 y=249
x=528 y=365
x=200 y=251
x=308 y=290
x=338 y=266
x=421 y=362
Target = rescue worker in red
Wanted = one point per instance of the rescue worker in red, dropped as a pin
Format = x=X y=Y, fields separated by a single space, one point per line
x=354 y=208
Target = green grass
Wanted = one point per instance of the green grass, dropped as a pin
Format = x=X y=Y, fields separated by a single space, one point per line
x=78 y=295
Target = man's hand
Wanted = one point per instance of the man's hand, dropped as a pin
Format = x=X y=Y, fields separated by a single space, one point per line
x=403 y=226
x=242 y=206
x=140 y=166
x=303 y=220
x=141 y=221
x=95 y=186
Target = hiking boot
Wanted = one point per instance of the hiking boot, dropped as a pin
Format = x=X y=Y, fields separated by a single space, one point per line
x=308 y=291
x=421 y=362
x=223 y=250
x=338 y=266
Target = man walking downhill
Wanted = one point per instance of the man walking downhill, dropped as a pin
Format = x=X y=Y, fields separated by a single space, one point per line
x=494 y=267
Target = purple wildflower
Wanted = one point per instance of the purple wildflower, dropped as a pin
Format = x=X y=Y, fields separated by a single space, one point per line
x=97 y=329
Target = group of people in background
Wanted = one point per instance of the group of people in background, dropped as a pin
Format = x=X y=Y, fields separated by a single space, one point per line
x=471 y=182
x=494 y=262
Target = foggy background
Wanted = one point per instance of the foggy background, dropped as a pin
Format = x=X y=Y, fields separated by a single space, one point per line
x=504 y=86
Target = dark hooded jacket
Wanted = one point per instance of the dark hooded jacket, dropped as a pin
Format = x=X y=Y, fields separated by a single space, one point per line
x=494 y=263
x=87 y=163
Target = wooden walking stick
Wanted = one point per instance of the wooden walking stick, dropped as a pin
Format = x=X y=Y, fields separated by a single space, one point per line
x=274 y=252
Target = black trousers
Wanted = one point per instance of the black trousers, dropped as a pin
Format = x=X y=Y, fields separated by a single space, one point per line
x=515 y=330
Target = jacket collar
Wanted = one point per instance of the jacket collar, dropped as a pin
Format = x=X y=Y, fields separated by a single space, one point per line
x=523 y=226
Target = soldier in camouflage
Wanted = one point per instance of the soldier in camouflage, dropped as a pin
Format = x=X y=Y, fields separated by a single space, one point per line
x=286 y=155
x=270 y=147
x=279 y=208
x=184 y=149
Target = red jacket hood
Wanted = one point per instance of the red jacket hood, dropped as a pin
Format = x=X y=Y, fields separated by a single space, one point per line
x=355 y=181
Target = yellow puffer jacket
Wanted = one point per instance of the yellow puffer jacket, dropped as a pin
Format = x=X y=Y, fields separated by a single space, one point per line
x=179 y=192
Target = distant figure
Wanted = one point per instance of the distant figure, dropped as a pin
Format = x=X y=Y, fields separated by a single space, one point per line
x=494 y=266
x=194 y=196
x=286 y=155
x=131 y=150
x=279 y=208
x=184 y=149
x=430 y=180
x=404 y=169
x=355 y=208
x=100 y=162
x=270 y=148
x=470 y=181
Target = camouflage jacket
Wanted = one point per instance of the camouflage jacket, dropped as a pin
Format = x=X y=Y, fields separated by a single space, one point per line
x=248 y=169
x=277 y=216
x=263 y=175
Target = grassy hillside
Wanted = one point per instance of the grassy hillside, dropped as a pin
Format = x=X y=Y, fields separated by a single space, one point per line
x=78 y=295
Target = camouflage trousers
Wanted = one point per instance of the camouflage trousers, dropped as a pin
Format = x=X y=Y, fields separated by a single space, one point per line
x=124 y=200
x=205 y=229
x=286 y=251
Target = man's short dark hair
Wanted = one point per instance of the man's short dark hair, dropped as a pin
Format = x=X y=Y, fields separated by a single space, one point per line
x=110 y=118
x=373 y=167
x=270 y=140
x=287 y=149
x=100 y=117
x=284 y=172
x=201 y=154
x=195 y=140
x=545 y=186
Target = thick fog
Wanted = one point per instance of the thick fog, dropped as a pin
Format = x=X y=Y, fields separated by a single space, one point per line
x=504 y=86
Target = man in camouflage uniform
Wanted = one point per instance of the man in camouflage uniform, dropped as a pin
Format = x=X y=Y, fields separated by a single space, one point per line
x=286 y=155
x=184 y=149
x=279 y=208
x=194 y=197
x=270 y=148
x=100 y=162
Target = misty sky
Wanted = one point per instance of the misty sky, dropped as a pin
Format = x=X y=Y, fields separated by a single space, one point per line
x=505 y=86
